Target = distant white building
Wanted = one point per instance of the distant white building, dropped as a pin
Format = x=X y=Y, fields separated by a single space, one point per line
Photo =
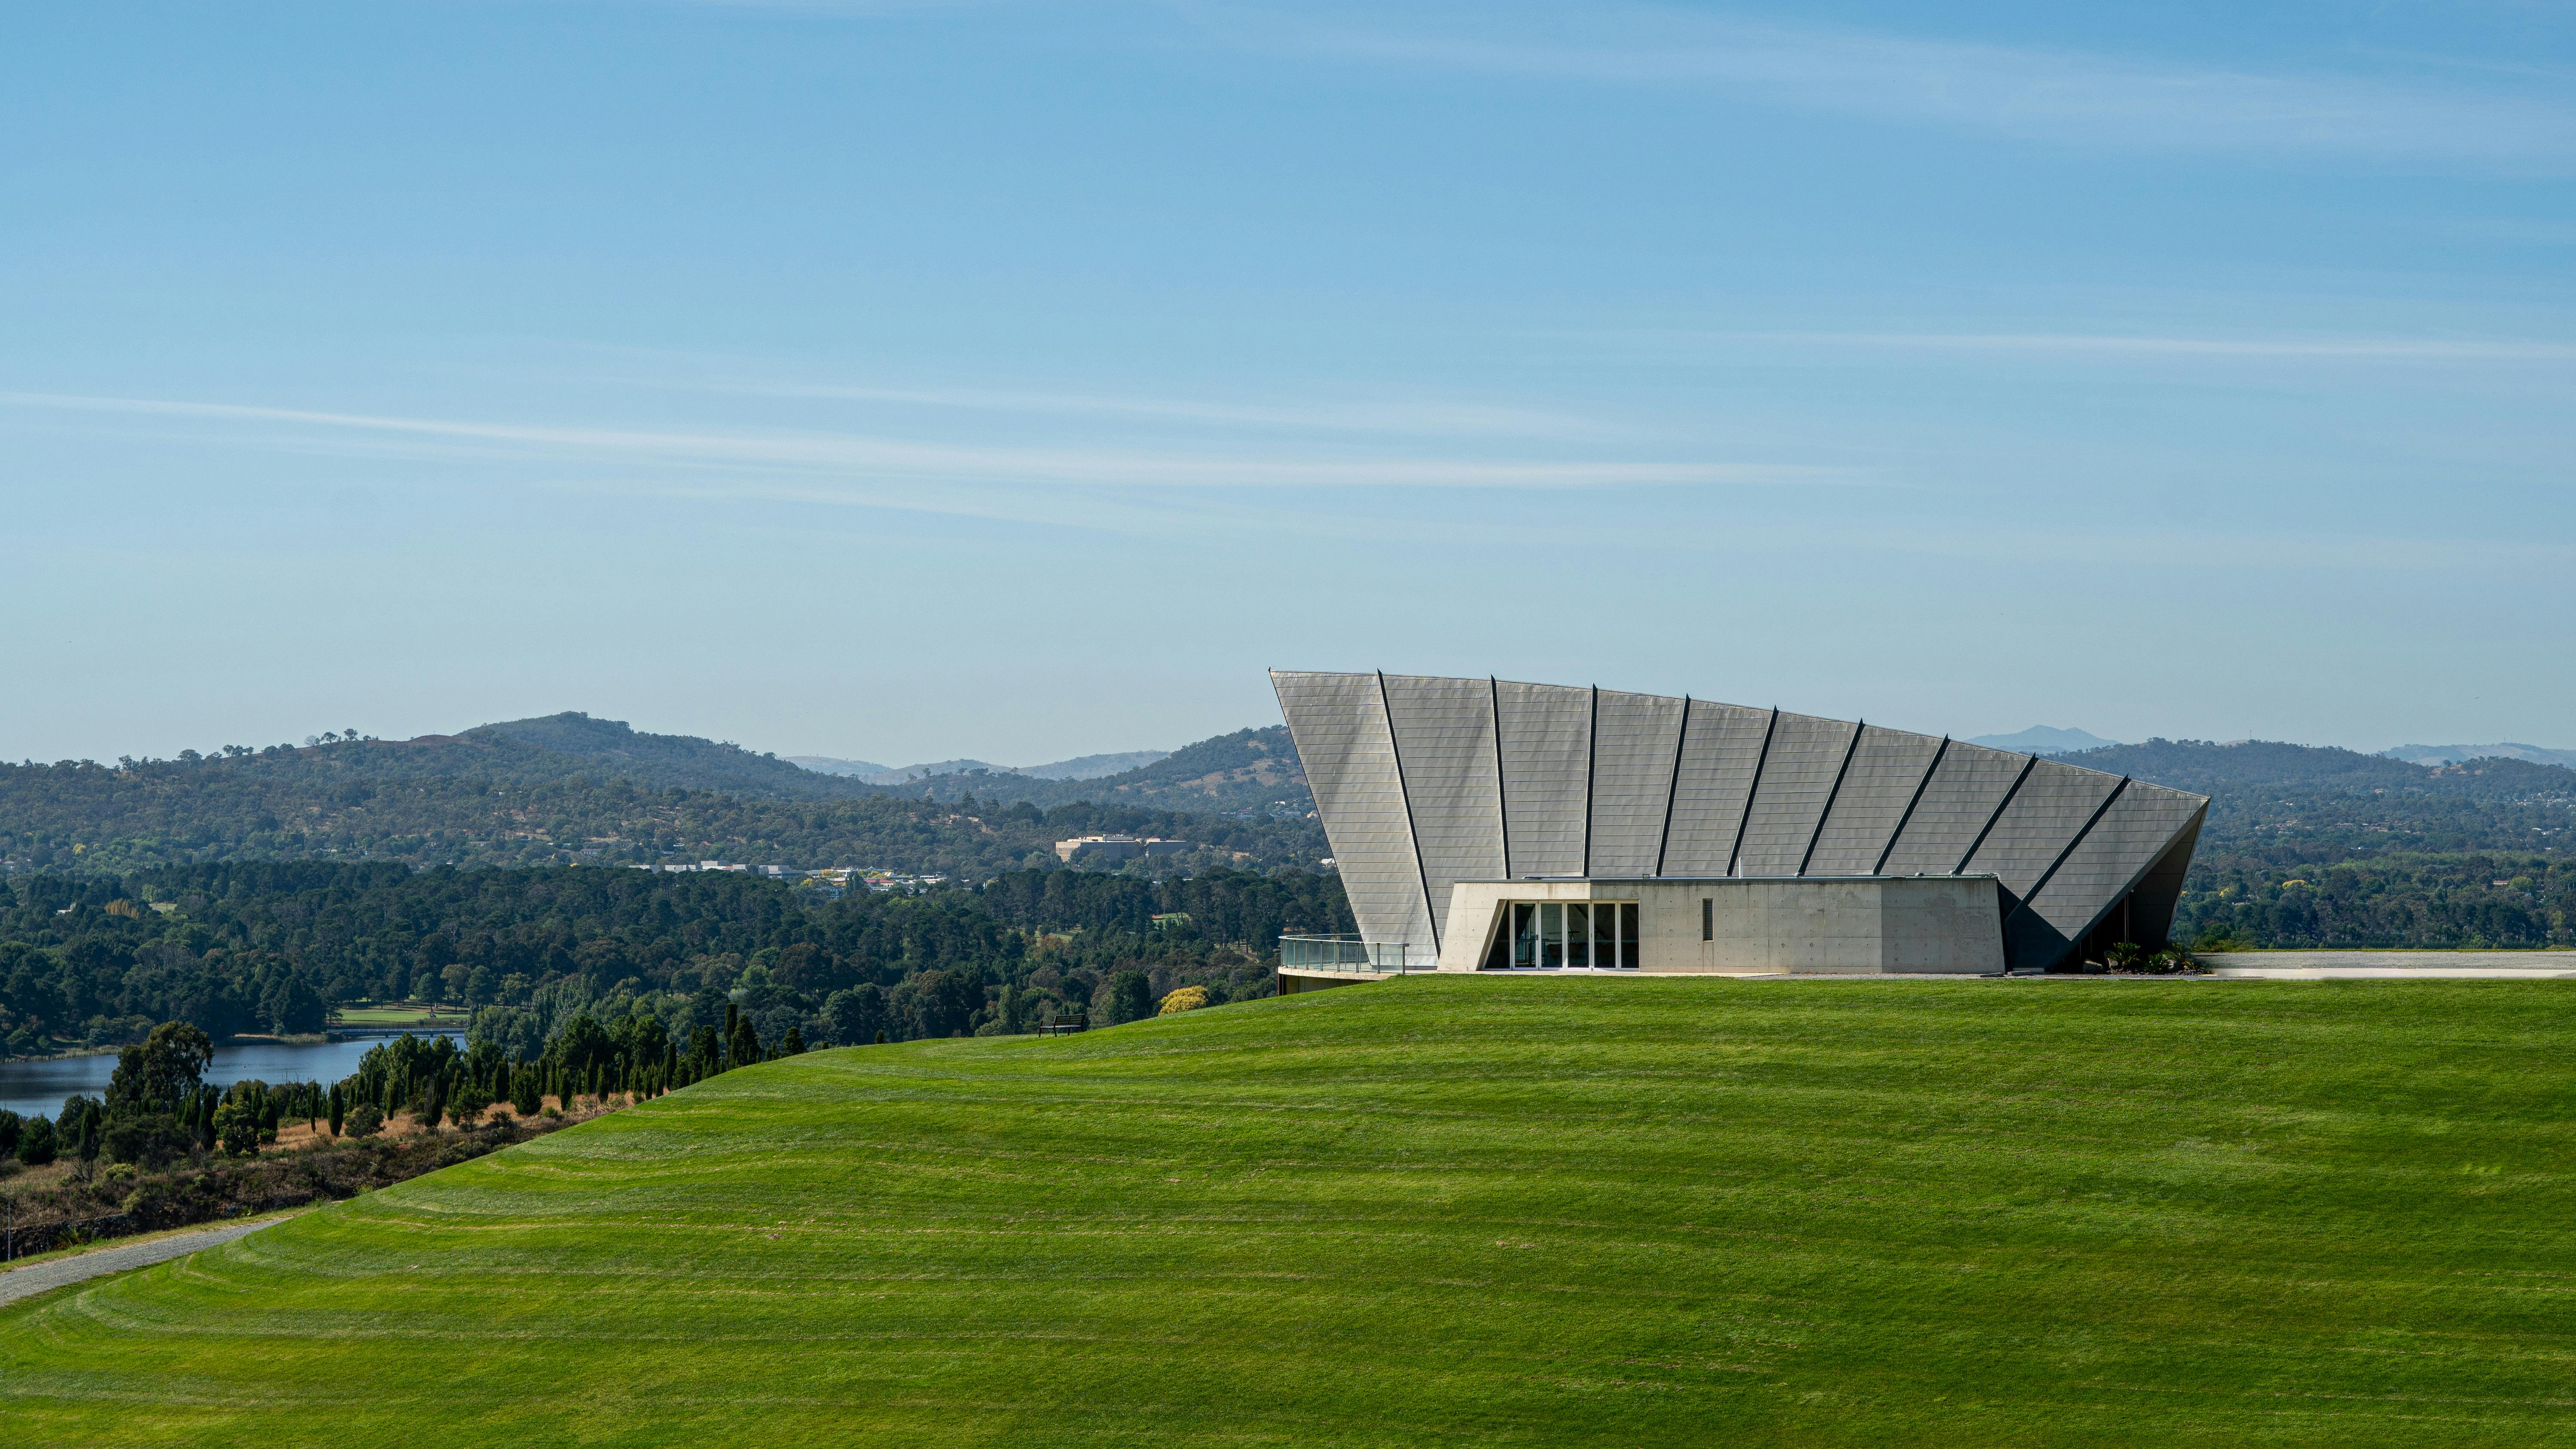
x=1115 y=847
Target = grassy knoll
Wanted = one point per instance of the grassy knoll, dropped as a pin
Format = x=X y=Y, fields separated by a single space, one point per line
x=401 y=1014
x=1530 y=1212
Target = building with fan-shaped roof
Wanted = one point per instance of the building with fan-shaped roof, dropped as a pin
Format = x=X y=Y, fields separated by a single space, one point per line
x=1485 y=825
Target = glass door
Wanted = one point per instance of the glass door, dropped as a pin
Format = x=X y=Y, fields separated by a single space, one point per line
x=1551 y=935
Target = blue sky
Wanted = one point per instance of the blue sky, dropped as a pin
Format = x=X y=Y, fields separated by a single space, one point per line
x=904 y=381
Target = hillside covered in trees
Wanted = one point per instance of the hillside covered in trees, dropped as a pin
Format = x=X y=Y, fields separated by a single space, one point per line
x=2301 y=804
x=2474 y=900
x=2326 y=848
x=2303 y=847
x=247 y=947
x=572 y=789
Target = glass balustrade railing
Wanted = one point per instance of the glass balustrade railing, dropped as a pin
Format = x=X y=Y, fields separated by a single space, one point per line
x=1342 y=953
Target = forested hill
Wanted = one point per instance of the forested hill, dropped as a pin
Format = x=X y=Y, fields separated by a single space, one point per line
x=2213 y=769
x=526 y=752
x=1253 y=771
x=2316 y=847
x=2298 y=804
x=236 y=948
x=576 y=743
x=569 y=788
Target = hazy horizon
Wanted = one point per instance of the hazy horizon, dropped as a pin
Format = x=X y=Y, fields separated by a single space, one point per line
x=1044 y=760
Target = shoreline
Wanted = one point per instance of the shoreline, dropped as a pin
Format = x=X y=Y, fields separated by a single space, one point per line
x=324 y=1037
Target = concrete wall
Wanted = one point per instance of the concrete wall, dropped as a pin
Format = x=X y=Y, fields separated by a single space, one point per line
x=1865 y=925
x=1295 y=980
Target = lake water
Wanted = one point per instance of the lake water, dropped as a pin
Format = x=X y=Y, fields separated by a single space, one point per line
x=37 y=1089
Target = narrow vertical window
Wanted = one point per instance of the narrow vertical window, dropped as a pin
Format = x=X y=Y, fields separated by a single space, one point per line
x=1524 y=934
x=1628 y=943
x=1605 y=934
x=1578 y=935
x=1551 y=934
x=1707 y=918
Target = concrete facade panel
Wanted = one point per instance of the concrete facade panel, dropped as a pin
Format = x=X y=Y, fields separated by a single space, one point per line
x=1797 y=774
x=2129 y=838
x=1886 y=768
x=2045 y=816
x=2153 y=901
x=1339 y=725
x=1547 y=755
x=1720 y=749
x=1444 y=739
x=1633 y=742
x=1854 y=925
x=1961 y=797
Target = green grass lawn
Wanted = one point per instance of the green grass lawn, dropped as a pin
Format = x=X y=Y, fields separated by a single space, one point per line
x=1432 y=1211
x=403 y=1014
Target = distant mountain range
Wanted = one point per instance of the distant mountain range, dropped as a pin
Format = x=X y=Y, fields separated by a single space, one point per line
x=2044 y=740
x=826 y=765
x=1093 y=767
x=1251 y=771
x=572 y=787
x=1081 y=767
x=2454 y=754
x=2049 y=740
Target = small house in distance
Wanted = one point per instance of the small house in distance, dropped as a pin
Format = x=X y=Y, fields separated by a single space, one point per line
x=1115 y=847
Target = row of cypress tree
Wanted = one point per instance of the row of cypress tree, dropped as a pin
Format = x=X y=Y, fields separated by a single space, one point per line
x=433 y=1081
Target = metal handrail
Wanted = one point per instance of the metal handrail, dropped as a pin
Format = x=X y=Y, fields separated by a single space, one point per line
x=1343 y=953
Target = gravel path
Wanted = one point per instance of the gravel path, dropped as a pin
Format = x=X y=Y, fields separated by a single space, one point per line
x=20 y=1283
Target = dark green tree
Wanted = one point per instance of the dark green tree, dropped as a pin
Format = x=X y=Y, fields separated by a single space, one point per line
x=855 y=1016
x=1130 y=997
x=149 y=1141
x=161 y=1071
x=237 y=1127
x=36 y=1142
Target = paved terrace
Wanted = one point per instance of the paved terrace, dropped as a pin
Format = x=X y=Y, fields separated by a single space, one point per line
x=2226 y=965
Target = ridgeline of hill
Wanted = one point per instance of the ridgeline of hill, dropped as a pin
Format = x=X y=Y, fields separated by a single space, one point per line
x=2298 y=804
x=1443 y=1212
x=570 y=788
x=1252 y=773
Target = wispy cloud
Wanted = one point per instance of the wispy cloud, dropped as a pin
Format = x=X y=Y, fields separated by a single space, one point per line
x=1410 y=417
x=890 y=460
x=2131 y=345
x=2050 y=95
